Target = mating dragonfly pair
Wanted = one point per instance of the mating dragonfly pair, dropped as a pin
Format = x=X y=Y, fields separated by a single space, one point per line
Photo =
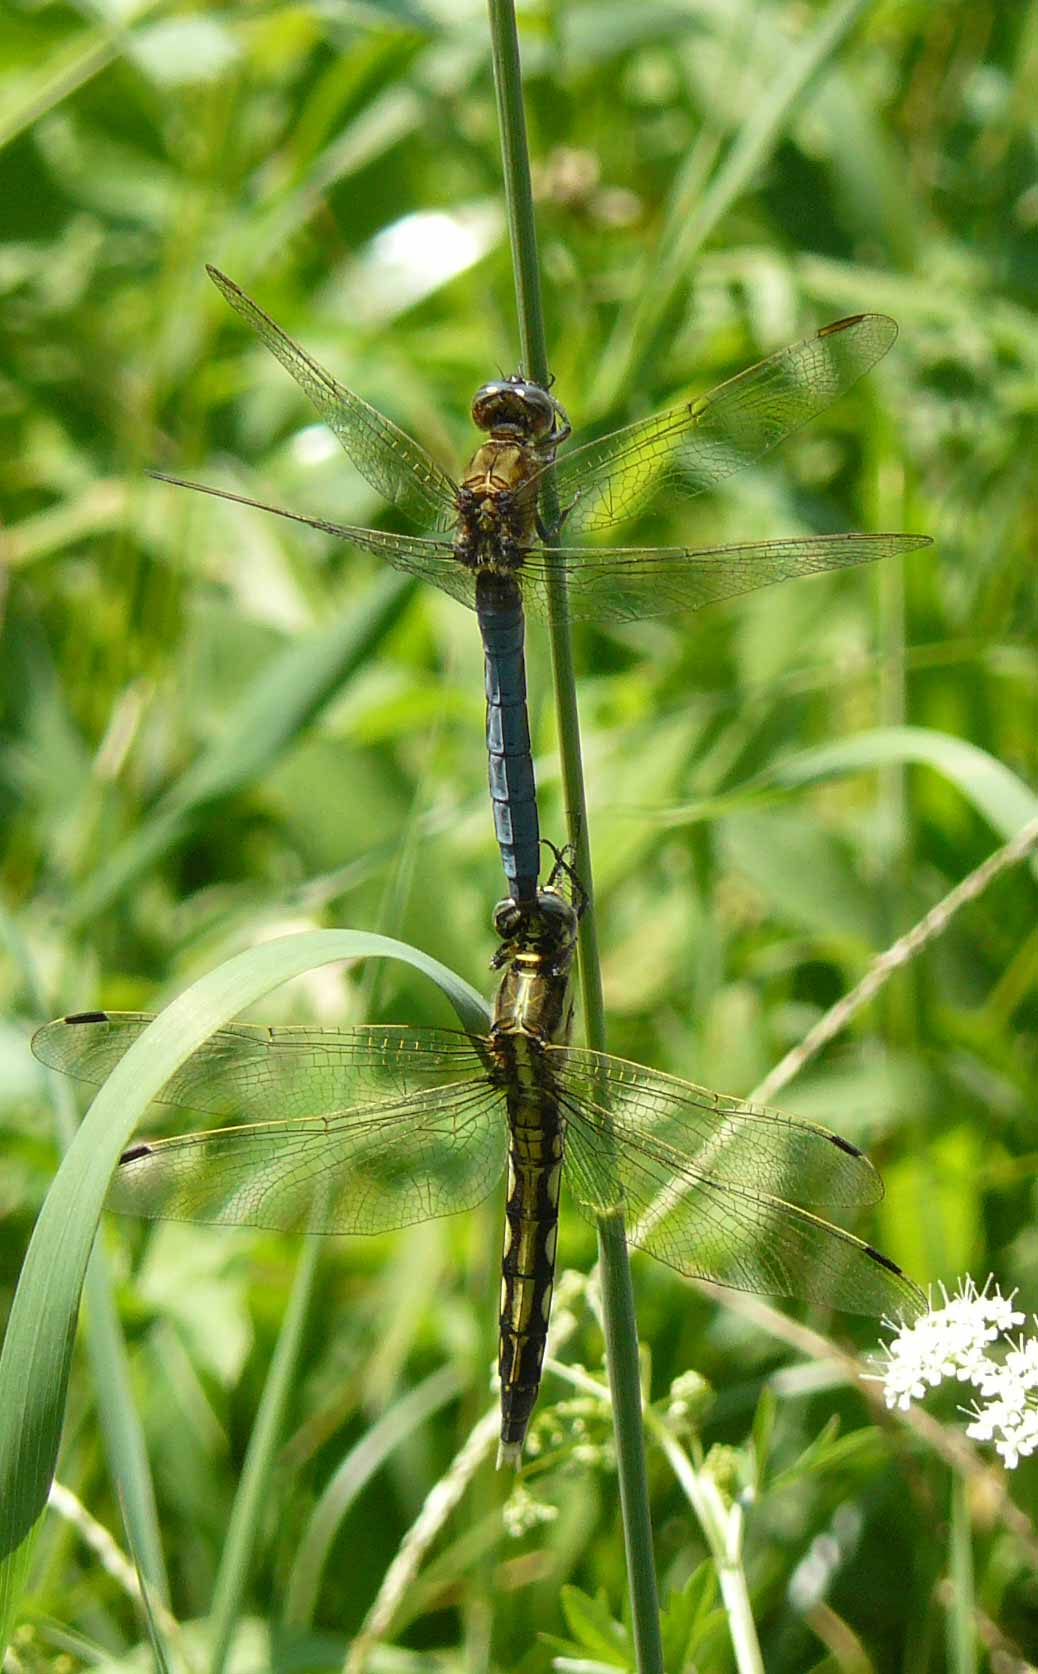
x=364 y=1130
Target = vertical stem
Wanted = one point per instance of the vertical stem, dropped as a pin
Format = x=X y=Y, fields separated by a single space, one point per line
x=962 y=1653
x=523 y=238
x=621 y=1335
x=722 y=1528
x=522 y=231
x=617 y=1293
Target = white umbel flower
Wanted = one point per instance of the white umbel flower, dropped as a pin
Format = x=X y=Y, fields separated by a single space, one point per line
x=957 y=1342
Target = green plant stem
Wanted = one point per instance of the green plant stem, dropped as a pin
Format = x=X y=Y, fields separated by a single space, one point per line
x=121 y=1425
x=962 y=1653
x=617 y=1292
x=722 y=1528
x=247 y=1513
x=622 y=1363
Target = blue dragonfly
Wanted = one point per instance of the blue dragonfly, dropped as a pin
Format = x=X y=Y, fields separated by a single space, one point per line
x=484 y=541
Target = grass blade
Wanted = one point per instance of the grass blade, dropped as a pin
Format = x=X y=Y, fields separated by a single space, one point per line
x=34 y=1364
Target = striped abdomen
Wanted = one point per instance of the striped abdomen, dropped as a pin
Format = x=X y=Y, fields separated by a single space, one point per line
x=528 y=1265
x=499 y=607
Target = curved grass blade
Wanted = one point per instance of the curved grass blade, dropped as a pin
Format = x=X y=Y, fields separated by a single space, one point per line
x=34 y=1363
x=1004 y=799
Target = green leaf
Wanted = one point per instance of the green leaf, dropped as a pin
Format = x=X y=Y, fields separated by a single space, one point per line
x=1004 y=800
x=825 y=1452
x=691 y=1617
x=14 y=1568
x=396 y=1426
x=594 y=1628
x=806 y=874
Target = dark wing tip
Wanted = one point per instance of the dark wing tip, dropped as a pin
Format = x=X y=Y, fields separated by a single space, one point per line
x=850 y=320
x=885 y=1261
x=87 y=1017
x=220 y=280
x=913 y=1300
x=845 y=1145
x=133 y=1153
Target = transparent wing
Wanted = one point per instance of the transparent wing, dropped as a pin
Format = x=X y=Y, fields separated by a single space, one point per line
x=364 y=1170
x=248 y=1072
x=704 y=1180
x=728 y=1140
x=395 y=465
x=609 y=583
x=420 y=555
x=373 y=1128
x=694 y=446
x=623 y=584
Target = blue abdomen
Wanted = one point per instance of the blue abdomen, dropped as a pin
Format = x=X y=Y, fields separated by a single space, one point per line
x=513 y=795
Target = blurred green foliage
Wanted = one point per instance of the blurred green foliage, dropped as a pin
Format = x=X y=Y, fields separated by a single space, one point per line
x=218 y=727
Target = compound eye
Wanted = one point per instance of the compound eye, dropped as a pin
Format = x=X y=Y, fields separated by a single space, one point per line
x=485 y=405
x=507 y=919
x=541 y=409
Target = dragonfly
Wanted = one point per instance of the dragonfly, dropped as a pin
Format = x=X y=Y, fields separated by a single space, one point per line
x=486 y=543
x=369 y=1129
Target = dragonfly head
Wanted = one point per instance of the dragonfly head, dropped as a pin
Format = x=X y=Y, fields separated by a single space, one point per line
x=514 y=407
x=546 y=926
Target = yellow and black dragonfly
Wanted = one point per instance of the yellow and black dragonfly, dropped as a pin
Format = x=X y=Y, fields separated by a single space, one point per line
x=367 y=1129
x=485 y=542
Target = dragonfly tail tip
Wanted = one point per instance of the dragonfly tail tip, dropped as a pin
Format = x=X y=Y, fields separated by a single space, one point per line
x=509 y=1453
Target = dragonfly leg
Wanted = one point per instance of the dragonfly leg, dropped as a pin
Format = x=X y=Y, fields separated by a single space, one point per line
x=564 y=868
x=556 y=528
x=562 y=432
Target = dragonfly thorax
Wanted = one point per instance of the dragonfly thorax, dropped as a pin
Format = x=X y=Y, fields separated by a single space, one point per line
x=497 y=504
x=533 y=1009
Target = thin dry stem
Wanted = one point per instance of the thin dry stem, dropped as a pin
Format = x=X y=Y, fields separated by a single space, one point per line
x=109 y=1554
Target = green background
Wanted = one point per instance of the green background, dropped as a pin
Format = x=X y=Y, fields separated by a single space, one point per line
x=217 y=728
